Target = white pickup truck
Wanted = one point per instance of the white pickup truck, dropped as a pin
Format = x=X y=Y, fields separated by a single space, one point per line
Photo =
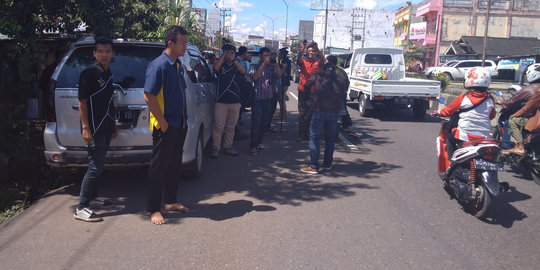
x=393 y=91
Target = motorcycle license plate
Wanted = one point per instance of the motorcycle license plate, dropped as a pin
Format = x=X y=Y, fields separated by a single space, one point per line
x=488 y=165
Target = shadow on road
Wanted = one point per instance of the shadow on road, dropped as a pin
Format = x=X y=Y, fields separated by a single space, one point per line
x=272 y=177
x=502 y=212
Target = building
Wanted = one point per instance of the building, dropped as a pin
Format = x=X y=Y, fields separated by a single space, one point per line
x=305 y=30
x=405 y=16
x=451 y=19
x=368 y=28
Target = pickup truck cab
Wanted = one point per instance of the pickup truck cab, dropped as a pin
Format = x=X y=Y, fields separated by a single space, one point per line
x=64 y=146
x=394 y=91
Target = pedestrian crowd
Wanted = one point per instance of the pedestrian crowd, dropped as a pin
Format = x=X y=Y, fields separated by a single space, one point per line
x=321 y=100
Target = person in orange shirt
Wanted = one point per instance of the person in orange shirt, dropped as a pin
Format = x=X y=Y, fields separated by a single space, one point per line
x=308 y=66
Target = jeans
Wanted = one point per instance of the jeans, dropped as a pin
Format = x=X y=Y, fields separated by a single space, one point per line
x=260 y=112
x=322 y=121
x=97 y=150
x=166 y=162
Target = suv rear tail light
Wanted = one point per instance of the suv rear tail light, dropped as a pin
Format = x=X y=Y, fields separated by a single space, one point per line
x=51 y=114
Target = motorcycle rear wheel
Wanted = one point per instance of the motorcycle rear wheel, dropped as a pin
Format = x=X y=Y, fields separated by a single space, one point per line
x=482 y=205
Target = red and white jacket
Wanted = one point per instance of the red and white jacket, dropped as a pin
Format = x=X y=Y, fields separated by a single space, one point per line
x=473 y=124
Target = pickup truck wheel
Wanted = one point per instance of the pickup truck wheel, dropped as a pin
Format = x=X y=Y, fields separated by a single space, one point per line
x=362 y=104
x=195 y=168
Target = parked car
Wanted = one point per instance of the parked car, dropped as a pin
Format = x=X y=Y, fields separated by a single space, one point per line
x=458 y=71
x=429 y=70
x=64 y=146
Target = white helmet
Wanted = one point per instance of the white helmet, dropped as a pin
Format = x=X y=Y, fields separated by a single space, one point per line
x=533 y=73
x=477 y=77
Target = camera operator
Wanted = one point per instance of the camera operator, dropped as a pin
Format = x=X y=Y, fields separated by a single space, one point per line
x=262 y=76
x=308 y=66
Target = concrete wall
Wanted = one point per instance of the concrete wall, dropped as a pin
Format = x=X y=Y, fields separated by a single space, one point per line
x=525 y=26
x=527 y=5
x=454 y=26
x=497 y=26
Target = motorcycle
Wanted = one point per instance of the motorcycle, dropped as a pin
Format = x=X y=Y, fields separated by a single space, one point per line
x=529 y=164
x=471 y=171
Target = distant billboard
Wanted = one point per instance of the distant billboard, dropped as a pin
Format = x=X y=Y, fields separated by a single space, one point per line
x=418 y=31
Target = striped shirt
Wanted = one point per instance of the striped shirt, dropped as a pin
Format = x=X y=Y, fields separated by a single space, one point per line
x=263 y=86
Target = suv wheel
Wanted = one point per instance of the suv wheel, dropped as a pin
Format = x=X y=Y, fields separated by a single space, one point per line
x=194 y=170
x=448 y=75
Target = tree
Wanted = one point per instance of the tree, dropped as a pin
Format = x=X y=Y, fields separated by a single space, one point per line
x=178 y=14
x=27 y=21
x=412 y=53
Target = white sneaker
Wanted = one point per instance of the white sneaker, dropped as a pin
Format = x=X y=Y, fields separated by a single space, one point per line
x=87 y=215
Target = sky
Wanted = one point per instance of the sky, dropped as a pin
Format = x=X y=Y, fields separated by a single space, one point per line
x=253 y=16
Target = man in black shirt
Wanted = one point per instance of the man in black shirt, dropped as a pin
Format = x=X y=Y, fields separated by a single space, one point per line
x=227 y=108
x=96 y=109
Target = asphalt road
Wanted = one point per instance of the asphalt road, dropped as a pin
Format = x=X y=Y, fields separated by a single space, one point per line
x=382 y=207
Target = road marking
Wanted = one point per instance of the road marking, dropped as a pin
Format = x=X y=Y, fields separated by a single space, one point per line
x=294 y=96
x=347 y=142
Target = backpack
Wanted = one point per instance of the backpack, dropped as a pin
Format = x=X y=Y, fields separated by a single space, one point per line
x=247 y=91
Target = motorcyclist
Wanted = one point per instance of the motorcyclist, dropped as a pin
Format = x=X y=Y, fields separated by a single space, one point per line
x=473 y=124
x=518 y=121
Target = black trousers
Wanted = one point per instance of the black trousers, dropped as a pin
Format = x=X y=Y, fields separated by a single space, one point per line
x=165 y=167
x=303 y=109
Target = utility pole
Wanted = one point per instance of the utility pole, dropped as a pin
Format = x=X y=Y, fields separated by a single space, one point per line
x=225 y=12
x=364 y=28
x=286 y=19
x=488 y=3
x=357 y=25
x=325 y=26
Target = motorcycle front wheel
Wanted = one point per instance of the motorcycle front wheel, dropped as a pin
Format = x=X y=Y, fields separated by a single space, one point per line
x=535 y=172
x=482 y=204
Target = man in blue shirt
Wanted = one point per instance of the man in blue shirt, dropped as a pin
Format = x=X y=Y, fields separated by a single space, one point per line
x=263 y=75
x=164 y=92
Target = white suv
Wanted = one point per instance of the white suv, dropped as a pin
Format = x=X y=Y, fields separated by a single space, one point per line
x=64 y=146
x=458 y=70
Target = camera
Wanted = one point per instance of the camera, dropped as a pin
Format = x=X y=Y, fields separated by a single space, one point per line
x=273 y=60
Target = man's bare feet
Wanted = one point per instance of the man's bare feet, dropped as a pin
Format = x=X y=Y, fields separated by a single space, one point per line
x=175 y=207
x=157 y=218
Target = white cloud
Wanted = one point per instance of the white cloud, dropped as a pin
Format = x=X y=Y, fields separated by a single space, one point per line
x=235 y=5
x=371 y=4
x=306 y=3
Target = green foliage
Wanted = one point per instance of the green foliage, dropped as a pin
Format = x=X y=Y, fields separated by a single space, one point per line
x=443 y=78
x=412 y=53
x=295 y=46
x=177 y=15
x=26 y=176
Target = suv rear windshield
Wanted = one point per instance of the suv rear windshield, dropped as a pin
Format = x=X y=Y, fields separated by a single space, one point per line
x=379 y=59
x=128 y=65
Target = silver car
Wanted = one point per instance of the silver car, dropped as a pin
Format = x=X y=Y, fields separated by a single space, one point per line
x=64 y=146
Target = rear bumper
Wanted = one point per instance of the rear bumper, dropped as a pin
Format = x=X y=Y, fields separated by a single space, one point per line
x=113 y=158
